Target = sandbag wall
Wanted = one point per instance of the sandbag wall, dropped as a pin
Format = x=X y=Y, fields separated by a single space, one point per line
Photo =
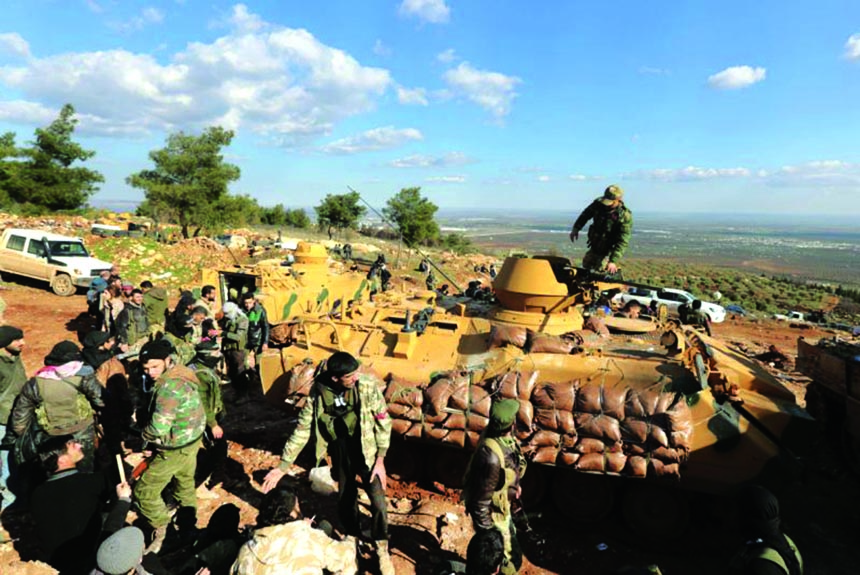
x=593 y=428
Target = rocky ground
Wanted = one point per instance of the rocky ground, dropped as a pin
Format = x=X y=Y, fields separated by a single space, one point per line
x=821 y=505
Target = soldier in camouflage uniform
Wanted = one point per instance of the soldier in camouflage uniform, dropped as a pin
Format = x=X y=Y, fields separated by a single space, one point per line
x=347 y=414
x=610 y=232
x=174 y=432
x=492 y=482
x=206 y=359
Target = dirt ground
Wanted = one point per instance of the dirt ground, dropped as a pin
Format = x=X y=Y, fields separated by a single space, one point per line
x=821 y=504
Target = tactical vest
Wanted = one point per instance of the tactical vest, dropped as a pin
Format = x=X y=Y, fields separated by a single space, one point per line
x=751 y=553
x=64 y=409
x=330 y=412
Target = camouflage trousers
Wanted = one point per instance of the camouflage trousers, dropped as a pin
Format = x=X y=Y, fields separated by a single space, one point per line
x=594 y=260
x=164 y=466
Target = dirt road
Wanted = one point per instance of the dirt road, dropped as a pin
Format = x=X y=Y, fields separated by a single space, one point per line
x=821 y=507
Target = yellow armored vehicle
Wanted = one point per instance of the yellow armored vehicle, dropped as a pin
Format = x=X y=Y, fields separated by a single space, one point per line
x=660 y=404
x=310 y=285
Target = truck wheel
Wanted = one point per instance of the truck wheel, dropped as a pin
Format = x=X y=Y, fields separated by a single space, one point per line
x=62 y=285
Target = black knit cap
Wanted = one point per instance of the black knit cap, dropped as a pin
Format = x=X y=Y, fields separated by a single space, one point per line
x=8 y=334
x=63 y=353
x=95 y=339
x=157 y=349
x=341 y=363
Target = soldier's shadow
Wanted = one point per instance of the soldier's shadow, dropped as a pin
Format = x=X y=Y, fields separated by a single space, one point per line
x=419 y=547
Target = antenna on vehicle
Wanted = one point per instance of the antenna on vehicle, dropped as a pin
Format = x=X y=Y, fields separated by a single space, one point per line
x=400 y=234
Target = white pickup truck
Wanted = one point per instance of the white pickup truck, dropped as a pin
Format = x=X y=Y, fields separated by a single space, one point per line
x=672 y=298
x=62 y=261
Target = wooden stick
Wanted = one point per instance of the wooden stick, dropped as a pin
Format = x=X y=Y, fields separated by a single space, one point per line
x=121 y=468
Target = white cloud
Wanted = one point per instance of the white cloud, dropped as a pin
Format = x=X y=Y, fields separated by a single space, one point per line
x=380 y=49
x=690 y=173
x=282 y=83
x=492 y=91
x=417 y=96
x=433 y=11
x=13 y=43
x=736 y=77
x=852 y=47
x=27 y=112
x=147 y=16
x=372 y=140
x=544 y=178
x=447 y=179
x=425 y=161
x=826 y=173
x=447 y=56
x=583 y=178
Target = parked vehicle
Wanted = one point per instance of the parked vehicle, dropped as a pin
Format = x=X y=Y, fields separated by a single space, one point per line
x=790 y=316
x=62 y=261
x=672 y=298
x=736 y=309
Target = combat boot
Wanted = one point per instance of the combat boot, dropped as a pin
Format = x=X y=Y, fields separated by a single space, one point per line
x=386 y=567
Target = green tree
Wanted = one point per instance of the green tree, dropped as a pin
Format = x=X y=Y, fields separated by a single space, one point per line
x=42 y=177
x=298 y=218
x=339 y=211
x=457 y=243
x=413 y=216
x=190 y=180
x=278 y=215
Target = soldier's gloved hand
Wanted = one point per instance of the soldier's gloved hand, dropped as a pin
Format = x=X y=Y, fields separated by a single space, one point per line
x=574 y=235
x=611 y=268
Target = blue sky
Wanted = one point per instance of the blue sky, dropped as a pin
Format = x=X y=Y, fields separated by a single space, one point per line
x=690 y=106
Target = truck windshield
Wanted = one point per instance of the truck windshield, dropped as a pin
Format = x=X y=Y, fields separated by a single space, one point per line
x=68 y=249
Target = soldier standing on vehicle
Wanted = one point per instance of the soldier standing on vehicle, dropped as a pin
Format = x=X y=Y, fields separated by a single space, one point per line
x=173 y=434
x=492 y=482
x=347 y=414
x=12 y=379
x=609 y=233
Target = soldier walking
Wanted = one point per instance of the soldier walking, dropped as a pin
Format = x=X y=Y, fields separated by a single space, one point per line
x=347 y=414
x=173 y=434
x=492 y=481
x=609 y=233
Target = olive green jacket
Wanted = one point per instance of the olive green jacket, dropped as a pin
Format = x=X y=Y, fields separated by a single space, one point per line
x=609 y=233
x=12 y=380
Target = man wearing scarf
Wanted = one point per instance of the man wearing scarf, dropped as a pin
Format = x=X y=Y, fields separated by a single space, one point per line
x=60 y=399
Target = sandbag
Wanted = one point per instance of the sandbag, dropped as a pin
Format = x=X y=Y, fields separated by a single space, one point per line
x=591 y=462
x=598 y=426
x=615 y=461
x=635 y=449
x=439 y=392
x=301 y=378
x=405 y=412
x=472 y=398
x=601 y=399
x=501 y=335
x=636 y=466
x=660 y=469
x=400 y=426
x=525 y=414
x=568 y=458
x=545 y=438
x=434 y=433
x=590 y=445
x=455 y=421
x=657 y=436
x=634 y=430
x=284 y=333
x=455 y=437
x=678 y=423
x=516 y=384
x=545 y=343
x=415 y=432
x=472 y=440
x=568 y=442
x=670 y=455
x=404 y=392
x=545 y=455
x=477 y=423
x=641 y=403
x=561 y=396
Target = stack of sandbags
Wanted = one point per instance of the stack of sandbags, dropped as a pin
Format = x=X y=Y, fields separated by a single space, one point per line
x=598 y=413
x=502 y=335
x=518 y=385
x=656 y=433
x=554 y=419
x=404 y=399
x=449 y=414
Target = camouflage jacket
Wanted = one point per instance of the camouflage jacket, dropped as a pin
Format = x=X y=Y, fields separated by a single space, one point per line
x=374 y=424
x=295 y=548
x=178 y=418
x=210 y=392
x=12 y=379
x=609 y=233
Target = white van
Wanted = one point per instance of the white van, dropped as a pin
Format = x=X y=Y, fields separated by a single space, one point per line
x=62 y=261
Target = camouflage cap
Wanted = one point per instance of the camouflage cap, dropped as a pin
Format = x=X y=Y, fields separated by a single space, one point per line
x=503 y=413
x=612 y=194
